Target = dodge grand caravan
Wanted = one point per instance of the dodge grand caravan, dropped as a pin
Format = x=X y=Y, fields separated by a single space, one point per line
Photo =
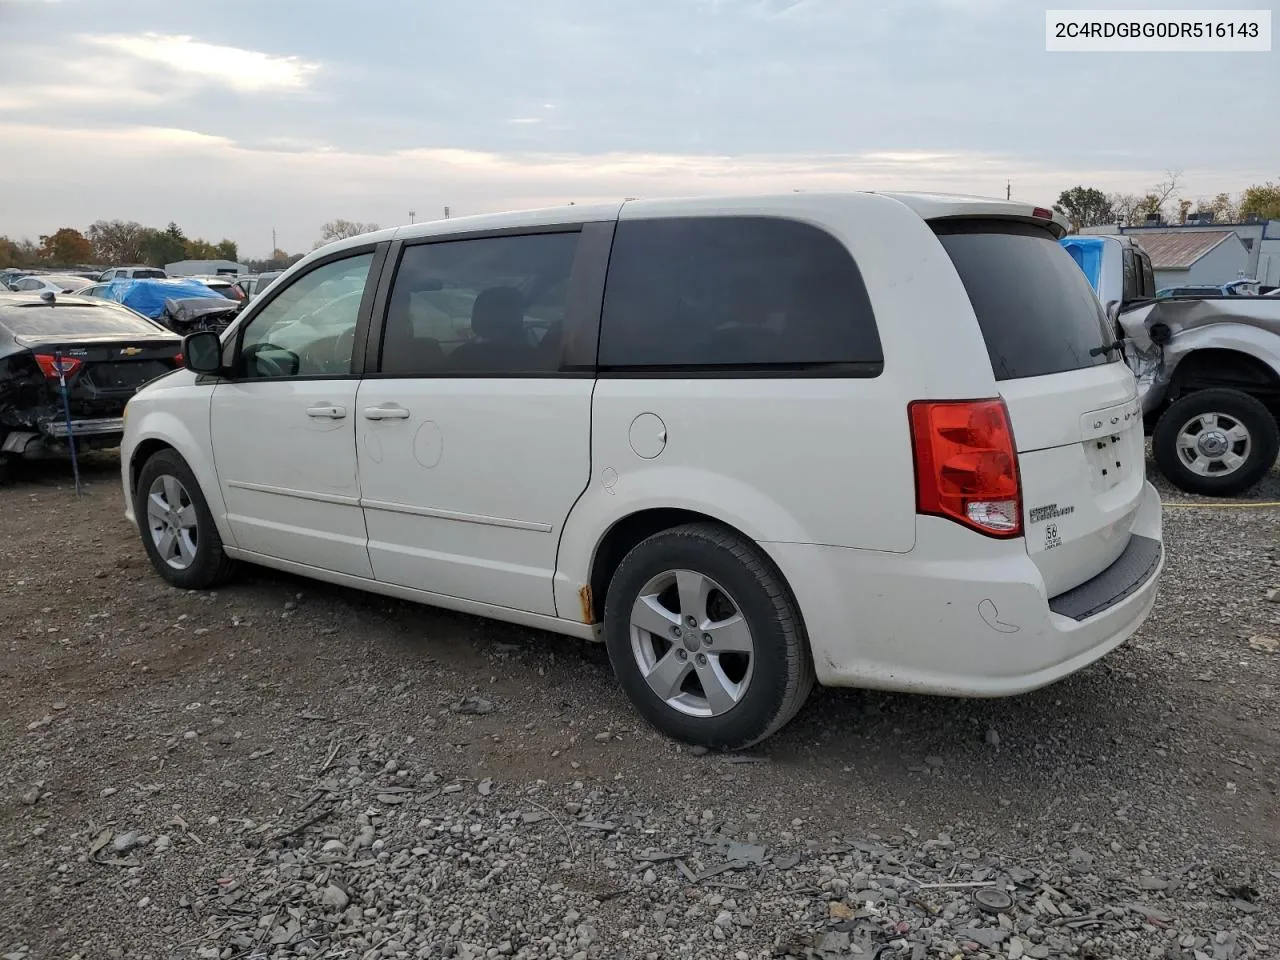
x=875 y=440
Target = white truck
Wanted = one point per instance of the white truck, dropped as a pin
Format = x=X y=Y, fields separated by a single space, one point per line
x=1208 y=369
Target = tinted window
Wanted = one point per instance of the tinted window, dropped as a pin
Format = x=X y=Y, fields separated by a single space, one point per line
x=735 y=292
x=492 y=305
x=308 y=329
x=149 y=274
x=1148 y=275
x=78 y=321
x=1131 y=278
x=1037 y=312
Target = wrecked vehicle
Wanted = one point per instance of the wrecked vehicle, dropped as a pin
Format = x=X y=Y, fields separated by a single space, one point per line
x=103 y=353
x=1208 y=374
x=148 y=297
x=192 y=314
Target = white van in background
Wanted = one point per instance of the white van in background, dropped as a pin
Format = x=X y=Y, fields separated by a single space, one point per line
x=877 y=440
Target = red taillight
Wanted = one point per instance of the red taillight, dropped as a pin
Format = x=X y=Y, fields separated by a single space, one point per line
x=49 y=365
x=177 y=360
x=1043 y=213
x=967 y=464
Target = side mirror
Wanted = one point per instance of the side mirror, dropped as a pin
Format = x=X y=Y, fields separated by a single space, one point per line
x=202 y=352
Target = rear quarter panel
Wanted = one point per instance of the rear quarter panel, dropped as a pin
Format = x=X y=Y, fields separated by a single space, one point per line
x=793 y=460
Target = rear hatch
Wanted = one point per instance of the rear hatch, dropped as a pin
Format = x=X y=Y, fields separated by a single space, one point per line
x=1077 y=424
x=104 y=352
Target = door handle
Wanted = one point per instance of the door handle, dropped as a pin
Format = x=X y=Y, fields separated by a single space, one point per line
x=327 y=412
x=386 y=413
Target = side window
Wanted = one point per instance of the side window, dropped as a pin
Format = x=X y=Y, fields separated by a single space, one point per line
x=29 y=284
x=1148 y=275
x=492 y=305
x=1132 y=280
x=735 y=292
x=308 y=329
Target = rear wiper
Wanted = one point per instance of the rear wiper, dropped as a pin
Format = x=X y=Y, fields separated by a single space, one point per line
x=1099 y=351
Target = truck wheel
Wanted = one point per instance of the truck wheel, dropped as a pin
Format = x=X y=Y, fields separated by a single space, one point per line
x=705 y=638
x=1216 y=442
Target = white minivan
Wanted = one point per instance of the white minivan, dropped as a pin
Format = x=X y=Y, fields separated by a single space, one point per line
x=868 y=439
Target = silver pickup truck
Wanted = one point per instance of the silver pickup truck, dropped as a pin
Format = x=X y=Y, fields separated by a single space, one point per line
x=1208 y=374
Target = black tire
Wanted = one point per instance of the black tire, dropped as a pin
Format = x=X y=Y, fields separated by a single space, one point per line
x=781 y=675
x=8 y=466
x=211 y=565
x=1249 y=412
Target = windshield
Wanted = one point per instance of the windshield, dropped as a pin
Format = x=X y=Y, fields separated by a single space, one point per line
x=1037 y=311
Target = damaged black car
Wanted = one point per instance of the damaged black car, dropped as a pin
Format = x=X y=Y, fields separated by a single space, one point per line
x=96 y=351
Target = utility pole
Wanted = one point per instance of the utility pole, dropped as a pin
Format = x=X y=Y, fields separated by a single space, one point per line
x=1008 y=189
x=274 y=248
x=412 y=214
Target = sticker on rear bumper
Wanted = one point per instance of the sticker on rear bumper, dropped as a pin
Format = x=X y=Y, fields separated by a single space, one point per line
x=1051 y=538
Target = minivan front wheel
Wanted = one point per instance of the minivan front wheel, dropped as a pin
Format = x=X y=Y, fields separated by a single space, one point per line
x=704 y=637
x=177 y=526
x=1215 y=442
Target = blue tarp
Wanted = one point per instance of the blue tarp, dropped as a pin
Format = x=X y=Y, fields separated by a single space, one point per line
x=148 y=296
x=1087 y=253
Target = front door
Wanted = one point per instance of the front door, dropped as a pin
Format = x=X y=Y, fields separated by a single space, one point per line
x=283 y=426
x=473 y=436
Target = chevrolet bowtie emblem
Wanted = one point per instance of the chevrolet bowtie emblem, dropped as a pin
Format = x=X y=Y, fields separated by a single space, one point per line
x=131 y=351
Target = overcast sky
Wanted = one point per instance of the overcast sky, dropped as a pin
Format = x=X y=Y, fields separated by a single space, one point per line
x=232 y=117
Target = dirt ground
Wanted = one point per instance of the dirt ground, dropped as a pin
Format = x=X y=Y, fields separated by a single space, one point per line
x=125 y=702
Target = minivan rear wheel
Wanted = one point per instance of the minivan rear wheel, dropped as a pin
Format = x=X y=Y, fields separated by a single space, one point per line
x=1215 y=442
x=705 y=637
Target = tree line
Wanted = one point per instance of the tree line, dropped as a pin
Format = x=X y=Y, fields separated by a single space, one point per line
x=113 y=242
x=129 y=242
x=1091 y=207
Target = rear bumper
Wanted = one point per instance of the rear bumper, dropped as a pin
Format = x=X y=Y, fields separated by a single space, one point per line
x=99 y=427
x=962 y=615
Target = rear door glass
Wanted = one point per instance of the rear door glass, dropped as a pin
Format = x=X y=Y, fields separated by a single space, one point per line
x=86 y=321
x=1035 y=307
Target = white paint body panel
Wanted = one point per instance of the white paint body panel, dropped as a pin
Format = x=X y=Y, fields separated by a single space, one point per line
x=492 y=496
x=467 y=496
x=289 y=479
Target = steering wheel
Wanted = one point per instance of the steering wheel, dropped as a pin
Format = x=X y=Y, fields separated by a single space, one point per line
x=265 y=365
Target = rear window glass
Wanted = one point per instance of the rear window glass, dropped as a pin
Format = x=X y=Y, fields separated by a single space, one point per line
x=1036 y=309
x=42 y=321
x=148 y=274
x=735 y=292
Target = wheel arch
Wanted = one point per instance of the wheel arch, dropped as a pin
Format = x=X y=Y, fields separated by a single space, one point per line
x=162 y=430
x=1238 y=367
x=627 y=531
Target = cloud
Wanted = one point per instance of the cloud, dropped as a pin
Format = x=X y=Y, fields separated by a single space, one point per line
x=246 y=71
x=224 y=187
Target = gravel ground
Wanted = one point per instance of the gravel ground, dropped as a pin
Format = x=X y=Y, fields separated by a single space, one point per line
x=284 y=769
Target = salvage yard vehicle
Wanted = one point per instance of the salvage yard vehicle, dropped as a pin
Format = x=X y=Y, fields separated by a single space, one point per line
x=102 y=351
x=132 y=273
x=876 y=440
x=1117 y=267
x=57 y=283
x=1209 y=376
x=150 y=296
x=184 y=315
